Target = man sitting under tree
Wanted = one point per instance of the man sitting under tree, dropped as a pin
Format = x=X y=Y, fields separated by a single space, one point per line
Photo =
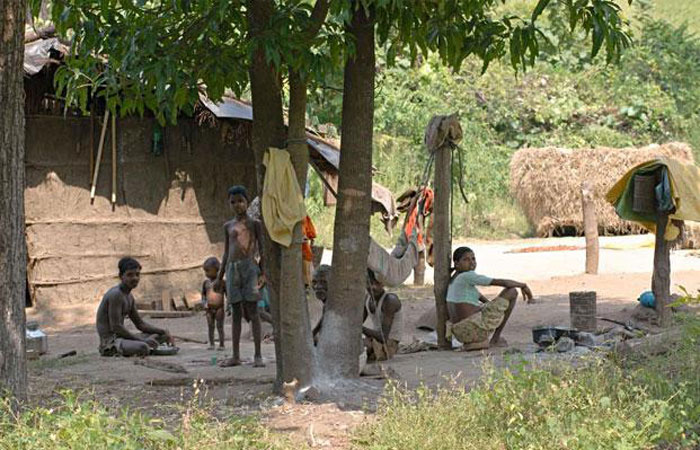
x=473 y=316
x=384 y=309
x=319 y=283
x=118 y=303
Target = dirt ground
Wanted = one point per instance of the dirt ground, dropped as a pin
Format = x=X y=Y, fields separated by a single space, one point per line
x=117 y=382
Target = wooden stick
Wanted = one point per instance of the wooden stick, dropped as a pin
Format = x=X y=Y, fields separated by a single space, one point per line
x=186 y=339
x=92 y=140
x=661 y=279
x=187 y=381
x=160 y=365
x=324 y=181
x=649 y=346
x=114 y=160
x=419 y=270
x=165 y=314
x=590 y=227
x=99 y=157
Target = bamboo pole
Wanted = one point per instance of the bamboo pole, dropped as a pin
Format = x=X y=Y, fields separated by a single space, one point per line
x=99 y=157
x=590 y=228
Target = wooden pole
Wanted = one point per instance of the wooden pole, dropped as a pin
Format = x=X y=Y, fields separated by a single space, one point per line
x=100 y=147
x=590 y=228
x=661 y=279
x=419 y=270
x=114 y=160
x=442 y=238
x=92 y=140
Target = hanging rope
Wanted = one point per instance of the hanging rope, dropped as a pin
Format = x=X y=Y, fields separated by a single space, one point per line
x=460 y=178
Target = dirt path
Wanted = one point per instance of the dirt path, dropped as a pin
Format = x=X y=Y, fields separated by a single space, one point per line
x=117 y=382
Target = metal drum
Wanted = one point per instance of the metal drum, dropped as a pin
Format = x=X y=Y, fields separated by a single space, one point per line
x=582 y=306
x=644 y=197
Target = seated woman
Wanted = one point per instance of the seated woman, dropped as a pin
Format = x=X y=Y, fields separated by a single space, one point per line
x=473 y=316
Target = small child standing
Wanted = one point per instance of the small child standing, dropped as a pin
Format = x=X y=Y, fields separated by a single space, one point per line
x=213 y=301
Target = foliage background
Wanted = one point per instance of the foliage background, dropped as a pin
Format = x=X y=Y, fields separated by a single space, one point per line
x=566 y=100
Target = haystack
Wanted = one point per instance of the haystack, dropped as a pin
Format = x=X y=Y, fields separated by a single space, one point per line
x=547 y=184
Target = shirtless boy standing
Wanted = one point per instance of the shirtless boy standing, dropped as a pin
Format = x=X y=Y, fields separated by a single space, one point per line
x=243 y=242
x=118 y=303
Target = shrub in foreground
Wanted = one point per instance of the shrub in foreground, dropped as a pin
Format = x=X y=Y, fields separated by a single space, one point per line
x=655 y=403
x=85 y=424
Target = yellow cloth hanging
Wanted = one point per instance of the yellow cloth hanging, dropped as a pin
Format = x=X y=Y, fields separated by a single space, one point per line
x=282 y=200
x=685 y=193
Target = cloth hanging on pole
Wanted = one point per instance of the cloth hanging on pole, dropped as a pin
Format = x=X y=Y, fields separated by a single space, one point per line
x=442 y=129
x=282 y=200
x=683 y=182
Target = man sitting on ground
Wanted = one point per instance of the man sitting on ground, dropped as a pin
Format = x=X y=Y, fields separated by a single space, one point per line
x=473 y=316
x=319 y=283
x=384 y=309
x=118 y=303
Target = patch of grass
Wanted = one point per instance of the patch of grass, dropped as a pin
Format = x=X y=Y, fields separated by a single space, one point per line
x=655 y=403
x=85 y=424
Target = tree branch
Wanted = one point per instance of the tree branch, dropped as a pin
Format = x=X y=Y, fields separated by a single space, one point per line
x=318 y=16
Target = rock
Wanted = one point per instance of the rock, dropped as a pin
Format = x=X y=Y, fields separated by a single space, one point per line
x=564 y=344
x=644 y=314
x=312 y=394
x=581 y=350
x=587 y=339
x=618 y=334
x=532 y=348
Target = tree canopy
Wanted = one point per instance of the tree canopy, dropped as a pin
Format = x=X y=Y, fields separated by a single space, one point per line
x=157 y=55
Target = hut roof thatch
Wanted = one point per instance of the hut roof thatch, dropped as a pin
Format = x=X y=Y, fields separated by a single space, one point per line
x=547 y=183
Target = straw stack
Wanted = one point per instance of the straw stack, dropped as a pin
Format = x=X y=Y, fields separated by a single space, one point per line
x=547 y=183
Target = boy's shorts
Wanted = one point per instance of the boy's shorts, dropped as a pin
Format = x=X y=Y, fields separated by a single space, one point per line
x=478 y=327
x=242 y=281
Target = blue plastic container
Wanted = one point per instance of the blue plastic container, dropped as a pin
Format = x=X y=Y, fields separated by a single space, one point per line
x=647 y=299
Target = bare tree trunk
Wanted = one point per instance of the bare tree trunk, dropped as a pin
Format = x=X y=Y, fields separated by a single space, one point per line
x=590 y=227
x=442 y=238
x=13 y=253
x=268 y=131
x=661 y=279
x=340 y=342
x=295 y=324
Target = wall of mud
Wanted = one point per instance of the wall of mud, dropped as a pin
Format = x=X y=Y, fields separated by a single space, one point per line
x=170 y=207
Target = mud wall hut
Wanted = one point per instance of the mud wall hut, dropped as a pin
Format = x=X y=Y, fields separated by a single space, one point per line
x=168 y=214
x=171 y=198
x=546 y=182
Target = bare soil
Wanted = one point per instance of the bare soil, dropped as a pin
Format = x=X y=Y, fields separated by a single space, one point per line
x=118 y=382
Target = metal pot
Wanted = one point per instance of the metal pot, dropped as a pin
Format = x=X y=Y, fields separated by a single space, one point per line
x=547 y=335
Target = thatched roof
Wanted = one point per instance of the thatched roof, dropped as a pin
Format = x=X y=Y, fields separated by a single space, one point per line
x=547 y=184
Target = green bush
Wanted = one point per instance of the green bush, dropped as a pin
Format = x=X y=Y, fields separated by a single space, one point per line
x=655 y=403
x=567 y=100
x=77 y=423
